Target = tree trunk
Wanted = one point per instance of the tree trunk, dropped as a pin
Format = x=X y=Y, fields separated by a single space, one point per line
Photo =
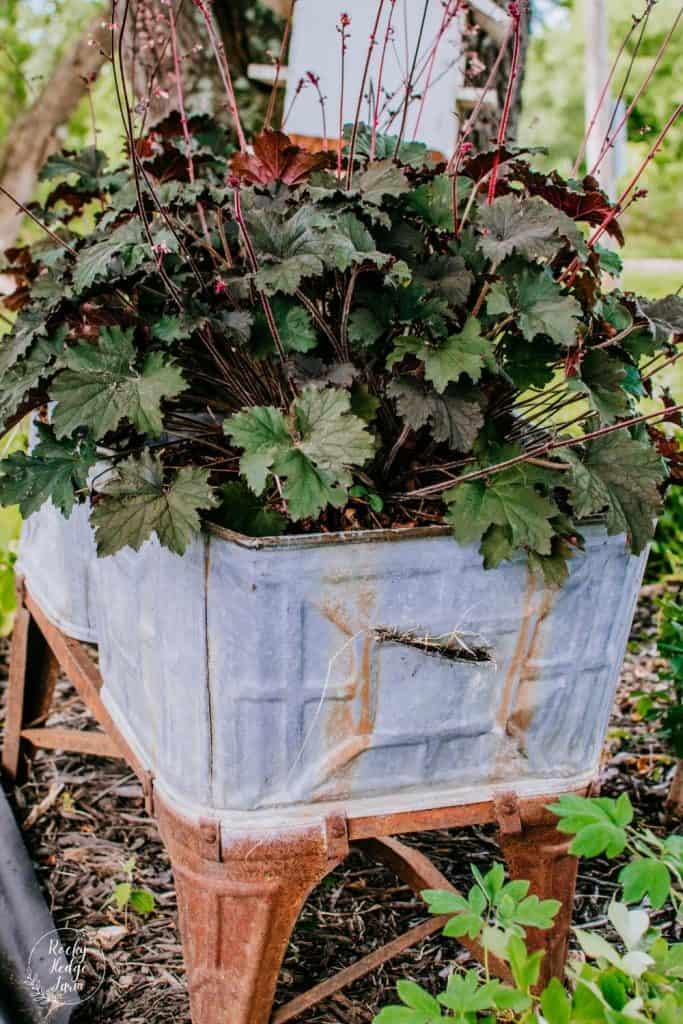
x=674 y=802
x=33 y=136
x=483 y=53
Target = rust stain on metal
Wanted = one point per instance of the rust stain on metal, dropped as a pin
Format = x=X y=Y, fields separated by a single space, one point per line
x=518 y=657
x=525 y=700
x=350 y=721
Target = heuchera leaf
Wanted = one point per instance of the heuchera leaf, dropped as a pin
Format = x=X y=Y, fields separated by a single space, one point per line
x=463 y=353
x=312 y=449
x=541 y=307
x=18 y=382
x=433 y=202
x=55 y=470
x=603 y=379
x=622 y=476
x=94 y=261
x=382 y=178
x=451 y=418
x=530 y=227
x=276 y=158
x=102 y=386
x=29 y=325
x=509 y=500
x=141 y=499
x=582 y=201
x=413 y=153
x=240 y=510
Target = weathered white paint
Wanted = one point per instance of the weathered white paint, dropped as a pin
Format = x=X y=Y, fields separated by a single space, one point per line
x=315 y=46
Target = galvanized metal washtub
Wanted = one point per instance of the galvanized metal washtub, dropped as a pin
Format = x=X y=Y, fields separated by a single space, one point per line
x=270 y=679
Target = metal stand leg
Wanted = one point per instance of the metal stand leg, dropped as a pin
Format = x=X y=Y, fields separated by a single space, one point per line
x=238 y=905
x=539 y=853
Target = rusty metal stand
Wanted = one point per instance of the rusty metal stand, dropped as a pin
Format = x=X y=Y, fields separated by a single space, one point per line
x=240 y=894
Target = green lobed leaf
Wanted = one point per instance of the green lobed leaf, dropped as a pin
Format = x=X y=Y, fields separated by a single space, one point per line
x=598 y=823
x=540 y=305
x=646 y=876
x=463 y=353
x=451 y=418
x=42 y=358
x=240 y=510
x=603 y=379
x=622 y=476
x=55 y=470
x=508 y=500
x=313 y=449
x=530 y=227
x=101 y=386
x=381 y=178
x=141 y=499
x=126 y=244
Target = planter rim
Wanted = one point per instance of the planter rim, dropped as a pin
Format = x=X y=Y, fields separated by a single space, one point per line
x=343 y=537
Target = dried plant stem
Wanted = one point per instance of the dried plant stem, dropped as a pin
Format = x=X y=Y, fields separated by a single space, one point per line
x=363 y=82
x=224 y=70
x=37 y=222
x=320 y=321
x=541 y=450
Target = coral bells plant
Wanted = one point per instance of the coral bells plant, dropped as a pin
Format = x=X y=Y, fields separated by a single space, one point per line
x=363 y=337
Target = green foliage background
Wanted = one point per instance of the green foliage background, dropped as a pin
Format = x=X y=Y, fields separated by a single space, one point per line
x=553 y=113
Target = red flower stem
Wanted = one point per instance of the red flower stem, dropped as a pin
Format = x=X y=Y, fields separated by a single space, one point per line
x=278 y=67
x=410 y=81
x=507 y=107
x=288 y=111
x=340 y=141
x=354 y=131
x=183 y=115
x=449 y=13
x=323 y=114
x=224 y=70
x=602 y=97
x=617 y=209
x=380 y=76
x=610 y=140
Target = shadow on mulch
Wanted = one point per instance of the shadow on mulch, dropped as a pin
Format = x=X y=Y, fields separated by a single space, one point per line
x=83 y=818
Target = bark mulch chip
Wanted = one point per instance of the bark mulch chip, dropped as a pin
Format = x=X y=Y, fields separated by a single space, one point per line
x=83 y=819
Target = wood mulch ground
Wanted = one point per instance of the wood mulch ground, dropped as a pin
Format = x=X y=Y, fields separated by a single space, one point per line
x=83 y=818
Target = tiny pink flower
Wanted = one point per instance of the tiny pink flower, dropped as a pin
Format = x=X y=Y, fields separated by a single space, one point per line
x=219 y=286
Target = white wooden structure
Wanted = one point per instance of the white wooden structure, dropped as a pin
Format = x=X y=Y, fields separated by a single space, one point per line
x=316 y=47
